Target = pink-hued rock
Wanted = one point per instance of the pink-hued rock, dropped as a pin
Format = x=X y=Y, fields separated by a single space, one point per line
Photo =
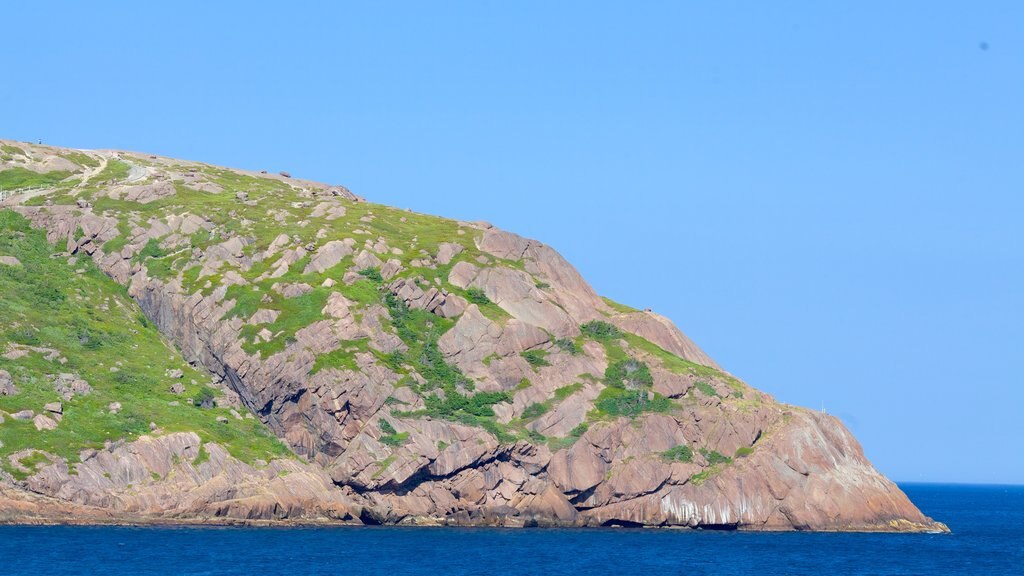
x=778 y=467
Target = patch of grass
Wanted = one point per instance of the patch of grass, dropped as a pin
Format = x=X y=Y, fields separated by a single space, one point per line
x=344 y=358
x=81 y=159
x=18 y=178
x=115 y=170
x=622 y=308
x=383 y=465
x=566 y=391
x=706 y=389
x=702 y=476
x=203 y=456
x=92 y=324
x=681 y=453
x=152 y=249
x=536 y=358
x=391 y=437
x=743 y=452
x=556 y=444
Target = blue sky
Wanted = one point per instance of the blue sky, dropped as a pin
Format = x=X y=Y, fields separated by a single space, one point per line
x=829 y=199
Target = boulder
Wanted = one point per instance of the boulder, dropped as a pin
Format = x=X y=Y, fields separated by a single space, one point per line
x=7 y=387
x=42 y=422
x=329 y=255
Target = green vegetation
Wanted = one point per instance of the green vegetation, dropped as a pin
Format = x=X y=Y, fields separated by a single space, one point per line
x=372 y=274
x=618 y=307
x=11 y=150
x=714 y=457
x=535 y=410
x=391 y=437
x=383 y=465
x=706 y=388
x=556 y=444
x=630 y=373
x=681 y=453
x=344 y=358
x=599 y=330
x=619 y=402
x=627 y=393
x=17 y=178
x=567 y=345
x=566 y=391
x=744 y=451
x=477 y=296
x=81 y=159
x=679 y=365
x=94 y=331
x=536 y=358
x=114 y=171
x=700 y=477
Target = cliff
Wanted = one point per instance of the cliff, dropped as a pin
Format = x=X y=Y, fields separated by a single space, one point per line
x=187 y=343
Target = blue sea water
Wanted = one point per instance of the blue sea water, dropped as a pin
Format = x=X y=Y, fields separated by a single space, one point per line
x=987 y=524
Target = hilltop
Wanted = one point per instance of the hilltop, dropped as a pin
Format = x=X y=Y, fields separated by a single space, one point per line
x=184 y=342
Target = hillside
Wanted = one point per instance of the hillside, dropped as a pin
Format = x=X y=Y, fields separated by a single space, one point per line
x=183 y=342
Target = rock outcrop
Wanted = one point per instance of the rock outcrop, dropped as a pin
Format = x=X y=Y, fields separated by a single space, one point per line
x=419 y=370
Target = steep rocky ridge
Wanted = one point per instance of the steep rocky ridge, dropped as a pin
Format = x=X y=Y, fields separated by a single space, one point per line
x=418 y=369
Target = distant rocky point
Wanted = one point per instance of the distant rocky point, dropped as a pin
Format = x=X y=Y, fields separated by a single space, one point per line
x=186 y=343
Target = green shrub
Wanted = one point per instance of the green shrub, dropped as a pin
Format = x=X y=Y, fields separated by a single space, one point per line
x=204 y=399
x=455 y=403
x=629 y=373
x=579 y=430
x=621 y=402
x=536 y=358
x=744 y=451
x=386 y=427
x=477 y=296
x=599 y=330
x=567 y=345
x=714 y=457
x=681 y=453
x=535 y=410
x=372 y=274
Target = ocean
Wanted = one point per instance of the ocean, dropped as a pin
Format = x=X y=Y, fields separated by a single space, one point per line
x=987 y=524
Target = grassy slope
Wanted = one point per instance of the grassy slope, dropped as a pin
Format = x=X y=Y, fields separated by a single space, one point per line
x=275 y=211
x=88 y=318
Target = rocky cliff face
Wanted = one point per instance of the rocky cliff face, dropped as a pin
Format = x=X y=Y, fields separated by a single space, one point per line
x=419 y=371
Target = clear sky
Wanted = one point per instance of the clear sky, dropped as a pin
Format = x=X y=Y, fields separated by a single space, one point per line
x=829 y=199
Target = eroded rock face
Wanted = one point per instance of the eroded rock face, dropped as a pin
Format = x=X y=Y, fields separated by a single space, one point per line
x=379 y=435
x=164 y=478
